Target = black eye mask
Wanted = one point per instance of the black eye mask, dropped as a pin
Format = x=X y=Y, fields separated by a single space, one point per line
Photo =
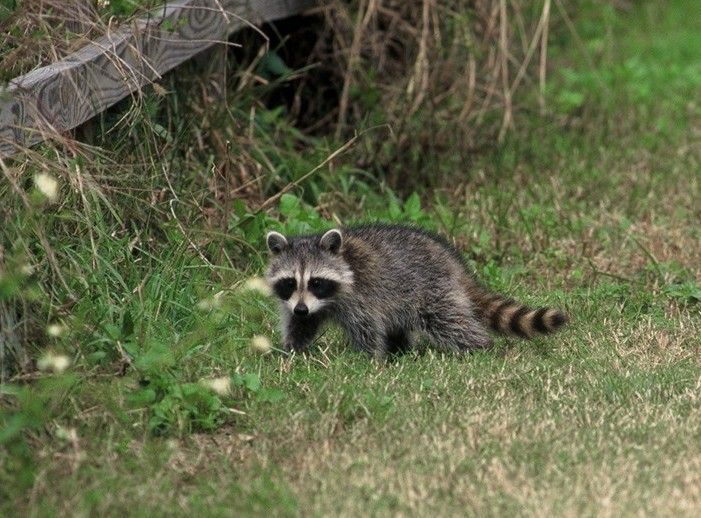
x=322 y=288
x=284 y=288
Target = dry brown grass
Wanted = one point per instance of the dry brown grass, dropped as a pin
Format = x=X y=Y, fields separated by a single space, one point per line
x=40 y=32
x=459 y=64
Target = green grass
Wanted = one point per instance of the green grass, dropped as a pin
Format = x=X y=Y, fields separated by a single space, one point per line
x=593 y=208
x=37 y=34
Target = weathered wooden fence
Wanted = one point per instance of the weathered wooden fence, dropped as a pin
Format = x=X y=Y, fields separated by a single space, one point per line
x=60 y=96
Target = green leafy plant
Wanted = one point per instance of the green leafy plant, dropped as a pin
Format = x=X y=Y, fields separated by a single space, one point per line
x=687 y=292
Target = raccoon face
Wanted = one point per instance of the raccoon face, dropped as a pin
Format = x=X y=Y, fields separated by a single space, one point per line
x=307 y=273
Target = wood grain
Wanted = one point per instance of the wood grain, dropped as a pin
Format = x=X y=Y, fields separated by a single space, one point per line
x=58 y=97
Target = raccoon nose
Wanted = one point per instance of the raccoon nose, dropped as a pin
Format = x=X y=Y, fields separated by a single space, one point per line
x=301 y=309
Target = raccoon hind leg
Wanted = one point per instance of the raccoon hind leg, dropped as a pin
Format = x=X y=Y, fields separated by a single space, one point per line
x=397 y=342
x=456 y=328
x=365 y=334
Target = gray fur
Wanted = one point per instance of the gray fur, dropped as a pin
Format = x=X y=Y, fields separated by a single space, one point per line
x=276 y=242
x=393 y=282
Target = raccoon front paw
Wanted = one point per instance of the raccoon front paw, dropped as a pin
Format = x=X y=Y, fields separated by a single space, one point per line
x=291 y=346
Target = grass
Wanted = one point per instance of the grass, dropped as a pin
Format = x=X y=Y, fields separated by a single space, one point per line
x=38 y=33
x=591 y=208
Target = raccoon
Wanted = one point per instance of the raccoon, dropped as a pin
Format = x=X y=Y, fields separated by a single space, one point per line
x=383 y=284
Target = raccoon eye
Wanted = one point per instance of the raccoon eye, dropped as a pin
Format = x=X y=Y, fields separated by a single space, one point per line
x=284 y=288
x=322 y=288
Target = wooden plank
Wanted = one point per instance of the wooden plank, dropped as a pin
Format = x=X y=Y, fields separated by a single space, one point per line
x=63 y=95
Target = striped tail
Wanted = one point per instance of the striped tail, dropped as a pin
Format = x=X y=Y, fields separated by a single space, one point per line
x=506 y=316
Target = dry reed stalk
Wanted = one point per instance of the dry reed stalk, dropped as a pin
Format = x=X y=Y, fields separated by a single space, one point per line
x=543 y=55
x=503 y=53
x=418 y=84
x=415 y=56
x=365 y=14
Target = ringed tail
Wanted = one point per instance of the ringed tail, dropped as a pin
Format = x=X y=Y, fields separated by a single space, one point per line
x=507 y=316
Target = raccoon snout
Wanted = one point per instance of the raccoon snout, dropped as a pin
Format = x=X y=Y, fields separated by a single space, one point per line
x=301 y=309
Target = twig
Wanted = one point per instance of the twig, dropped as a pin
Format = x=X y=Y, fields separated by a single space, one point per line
x=503 y=52
x=608 y=274
x=531 y=47
x=353 y=59
x=419 y=82
x=652 y=258
x=543 y=56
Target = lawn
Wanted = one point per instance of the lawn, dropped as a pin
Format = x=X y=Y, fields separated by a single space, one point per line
x=593 y=208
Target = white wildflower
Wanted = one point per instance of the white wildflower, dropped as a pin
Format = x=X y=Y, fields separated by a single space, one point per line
x=55 y=330
x=54 y=362
x=261 y=344
x=257 y=284
x=211 y=303
x=27 y=269
x=67 y=434
x=47 y=185
x=205 y=305
x=221 y=386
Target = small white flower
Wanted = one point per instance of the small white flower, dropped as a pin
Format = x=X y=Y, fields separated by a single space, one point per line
x=211 y=303
x=261 y=344
x=55 y=330
x=205 y=305
x=27 y=269
x=47 y=185
x=221 y=386
x=257 y=284
x=55 y=362
x=67 y=434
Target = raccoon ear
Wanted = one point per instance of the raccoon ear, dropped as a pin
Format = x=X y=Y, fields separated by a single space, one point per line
x=332 y=241
x=276 y=242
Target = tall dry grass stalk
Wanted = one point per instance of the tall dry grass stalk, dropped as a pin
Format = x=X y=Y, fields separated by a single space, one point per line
x=39 y=32
x=460 y=63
